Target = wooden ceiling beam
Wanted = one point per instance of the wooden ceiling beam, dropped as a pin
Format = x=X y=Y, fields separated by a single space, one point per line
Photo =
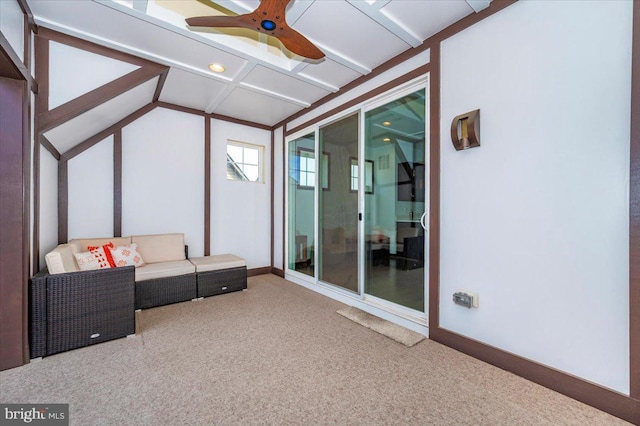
x=72 y=109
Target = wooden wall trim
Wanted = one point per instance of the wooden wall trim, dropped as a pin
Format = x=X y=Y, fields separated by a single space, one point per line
x=117 y=183
x=194 y=111
x=634 y=211
x=160 y=85
x=36 y=204
x=26 y=40
x=63 y=202
x=364 y=97
x=258 y=271
x=81 y=104
x=46 y=143
x=27 y=12
x=277 y=271
x=207 y=186
x=181 y=108
x=89 y=142
x=242 y=122
x=20 y=70
x=42 y=75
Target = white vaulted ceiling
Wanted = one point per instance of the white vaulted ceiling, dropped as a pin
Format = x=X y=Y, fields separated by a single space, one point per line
x=263 y=82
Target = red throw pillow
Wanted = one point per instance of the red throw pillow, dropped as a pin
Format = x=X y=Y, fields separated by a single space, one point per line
x=105 y=251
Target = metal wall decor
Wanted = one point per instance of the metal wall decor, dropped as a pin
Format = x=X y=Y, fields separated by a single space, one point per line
x=465 y=130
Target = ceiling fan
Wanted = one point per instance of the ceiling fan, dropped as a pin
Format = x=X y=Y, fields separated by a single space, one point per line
x=268 y=18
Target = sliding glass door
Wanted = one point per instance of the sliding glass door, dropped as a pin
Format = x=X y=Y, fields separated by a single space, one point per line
x=338 y=205
x=394 y=191
x=302 y=181
x=357 y=191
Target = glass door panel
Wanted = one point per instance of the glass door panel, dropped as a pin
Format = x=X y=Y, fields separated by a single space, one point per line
x=302 y=181
x=338 y=205
x=395 y=172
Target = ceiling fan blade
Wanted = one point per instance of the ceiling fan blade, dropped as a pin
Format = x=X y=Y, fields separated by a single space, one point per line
x=240 y=21
x=299 y=44
x=272 y=8
x=268 y=18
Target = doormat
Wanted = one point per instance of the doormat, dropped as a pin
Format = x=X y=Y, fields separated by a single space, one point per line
x=384 y=327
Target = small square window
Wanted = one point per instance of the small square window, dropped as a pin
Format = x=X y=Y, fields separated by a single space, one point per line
x=244 y=162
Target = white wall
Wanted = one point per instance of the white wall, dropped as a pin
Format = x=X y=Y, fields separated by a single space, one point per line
x=163 y=176
x=536 y=219
x=240 y=211
x=12 y=25
x=48 y=231
x=90 y=177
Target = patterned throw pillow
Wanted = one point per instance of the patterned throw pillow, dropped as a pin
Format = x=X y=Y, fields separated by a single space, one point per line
x=127 y=255
x=104 y=251
x=94 y=259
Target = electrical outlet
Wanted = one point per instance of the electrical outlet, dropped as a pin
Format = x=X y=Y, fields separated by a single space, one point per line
x=466 y=299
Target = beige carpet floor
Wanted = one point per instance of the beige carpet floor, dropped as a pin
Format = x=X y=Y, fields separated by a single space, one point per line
x=280 y=354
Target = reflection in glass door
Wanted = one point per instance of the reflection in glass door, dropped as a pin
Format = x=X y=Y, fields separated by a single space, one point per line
x=338 y=205
x=302 y=180
x=394 y=238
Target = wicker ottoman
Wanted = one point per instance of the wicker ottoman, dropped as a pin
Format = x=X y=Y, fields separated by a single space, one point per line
x=220 y=274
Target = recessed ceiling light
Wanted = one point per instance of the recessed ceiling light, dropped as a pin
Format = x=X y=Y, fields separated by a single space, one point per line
x=216 y=67
x=386 y=140
x=386 y=123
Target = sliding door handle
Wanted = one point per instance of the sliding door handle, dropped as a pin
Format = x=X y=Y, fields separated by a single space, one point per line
x=423 y=221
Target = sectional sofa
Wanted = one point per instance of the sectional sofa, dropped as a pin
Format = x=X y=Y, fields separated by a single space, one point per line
x=71 y=307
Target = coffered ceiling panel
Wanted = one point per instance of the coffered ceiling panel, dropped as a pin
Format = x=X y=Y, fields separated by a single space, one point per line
x=248 y=105
x=76 y=130
x=330 y=72
x=276 y=82
x=262 y=81
x=344 y=29
x=425 y=18
x=190 y=90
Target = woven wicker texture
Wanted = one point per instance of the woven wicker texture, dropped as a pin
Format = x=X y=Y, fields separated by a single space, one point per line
x=89 y=307
x=38 y=314
x=211 y=283
x=163 y=291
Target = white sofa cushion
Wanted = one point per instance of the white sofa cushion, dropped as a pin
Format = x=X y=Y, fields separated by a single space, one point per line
x=218 y=262
x=80 y=245
x=160 y=248
x=164 y=269
x=61 y=260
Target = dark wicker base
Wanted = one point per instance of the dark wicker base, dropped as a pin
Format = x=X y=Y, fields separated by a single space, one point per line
x=211 y=283
x=163 y=291
x=78 y=309
x=38 y=314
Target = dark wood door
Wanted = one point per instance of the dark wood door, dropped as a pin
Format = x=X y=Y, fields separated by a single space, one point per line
x=14 y=192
